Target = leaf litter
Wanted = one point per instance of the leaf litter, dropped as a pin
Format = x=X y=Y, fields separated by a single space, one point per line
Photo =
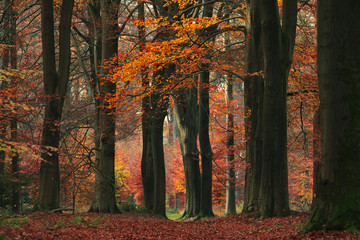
x=128 y=226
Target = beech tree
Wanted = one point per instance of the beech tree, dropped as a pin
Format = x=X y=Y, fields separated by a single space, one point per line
x=338 y=196
x=104 y=12
x=276 y=40
x=55 y=86
x=186 y=111
x=253 y=98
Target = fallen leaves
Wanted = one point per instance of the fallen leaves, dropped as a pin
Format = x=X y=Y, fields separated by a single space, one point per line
x=144 y=226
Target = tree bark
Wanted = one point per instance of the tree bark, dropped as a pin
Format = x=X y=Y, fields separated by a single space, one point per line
x=278 y=43
x=186 y=110
x=147 y=167
x=16 y=186
x=204 y=139
x=316 y=156
x=105 y=189
x=230 y=156
x=338 y=199
x=253 y=98
x=55 y=84
x=205 y=146
x=5 y=60
x=159 y=103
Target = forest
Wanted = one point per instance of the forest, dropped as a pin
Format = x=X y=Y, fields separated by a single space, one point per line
x=179 y=119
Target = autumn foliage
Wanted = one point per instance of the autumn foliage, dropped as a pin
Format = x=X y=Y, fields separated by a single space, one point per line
x=185 y=46
x=144 y=226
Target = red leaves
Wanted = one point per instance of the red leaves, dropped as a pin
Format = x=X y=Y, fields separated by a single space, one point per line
x=144 y=226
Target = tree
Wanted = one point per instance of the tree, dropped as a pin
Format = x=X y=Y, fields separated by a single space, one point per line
x=337 y=203
x=186 y=111
x=253 y=99
x=204 y=139
x=104 y=199
x=55 y=85
x=147 y=167
x=230 y=156
x=277 y=44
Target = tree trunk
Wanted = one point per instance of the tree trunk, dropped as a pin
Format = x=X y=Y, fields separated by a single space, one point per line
x=253 y=98
x=160 y=104
x=5 y=60
x=278 y=45
x=147 y=166
x=316 y=156
x=55 y=84
x=16 y=187
x=230 y=172
x=177 y=202
x=159 y=161
x=204 y=139
x=337 y=204
x=105 y=189
x=205 y=146
x=186 y=110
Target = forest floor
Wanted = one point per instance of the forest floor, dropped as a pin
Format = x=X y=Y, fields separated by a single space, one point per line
x=41 y=225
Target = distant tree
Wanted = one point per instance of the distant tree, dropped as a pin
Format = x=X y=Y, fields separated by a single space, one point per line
x=230 y=155
x=337 y=203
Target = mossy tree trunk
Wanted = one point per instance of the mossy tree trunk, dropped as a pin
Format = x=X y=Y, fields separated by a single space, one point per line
x=337 y=204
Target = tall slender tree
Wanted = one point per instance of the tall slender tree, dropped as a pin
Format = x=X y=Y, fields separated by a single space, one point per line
x=147 y=167
x=230 y=155
x=204 y=138
x=15 y=168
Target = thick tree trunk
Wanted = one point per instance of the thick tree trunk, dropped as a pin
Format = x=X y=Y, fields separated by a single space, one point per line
x=337 y=203
x=253 y=98
x=278 y=45
x=105 y=189
x=55 y=84
x=186 y=111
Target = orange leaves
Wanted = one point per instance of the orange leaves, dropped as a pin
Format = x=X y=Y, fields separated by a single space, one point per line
x=145 y=226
